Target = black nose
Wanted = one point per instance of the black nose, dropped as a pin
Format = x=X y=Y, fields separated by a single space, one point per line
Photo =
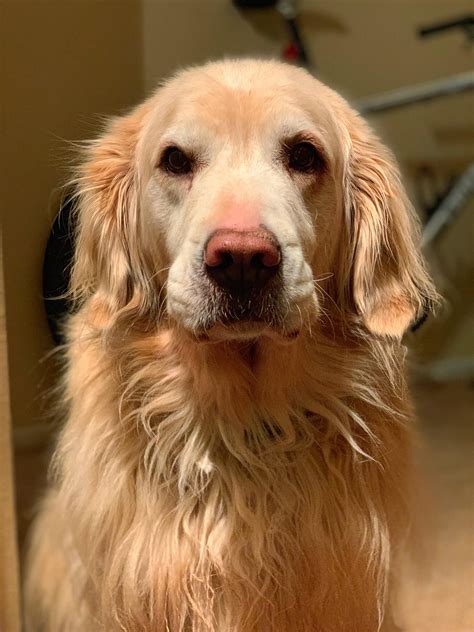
x=242 y=261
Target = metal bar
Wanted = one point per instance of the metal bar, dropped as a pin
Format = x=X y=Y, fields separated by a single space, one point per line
x=450 y=206
x=464 y=22
x=417 y=94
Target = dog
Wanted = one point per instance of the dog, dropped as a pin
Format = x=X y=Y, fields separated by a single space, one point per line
x=236 y=455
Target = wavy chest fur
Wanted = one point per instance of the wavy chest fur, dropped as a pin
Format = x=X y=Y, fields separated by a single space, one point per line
x=231 y=497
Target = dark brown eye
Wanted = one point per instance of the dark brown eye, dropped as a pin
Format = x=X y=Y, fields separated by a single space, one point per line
x=304 y=157
x=176 y=161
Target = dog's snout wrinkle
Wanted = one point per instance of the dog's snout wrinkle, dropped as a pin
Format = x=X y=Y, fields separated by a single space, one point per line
x=241 y=261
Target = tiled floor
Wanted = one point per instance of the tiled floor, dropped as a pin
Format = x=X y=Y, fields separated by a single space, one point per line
x=439 y=598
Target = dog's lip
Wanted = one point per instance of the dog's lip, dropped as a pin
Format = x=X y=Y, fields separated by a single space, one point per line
x=245 y=330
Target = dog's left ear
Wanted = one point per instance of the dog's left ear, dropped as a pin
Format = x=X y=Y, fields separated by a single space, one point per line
x=385 y=273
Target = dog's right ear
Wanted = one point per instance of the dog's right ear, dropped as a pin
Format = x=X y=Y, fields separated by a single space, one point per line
x=107 y=259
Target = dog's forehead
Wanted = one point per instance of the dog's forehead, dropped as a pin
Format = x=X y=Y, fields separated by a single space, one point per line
x=245 y=100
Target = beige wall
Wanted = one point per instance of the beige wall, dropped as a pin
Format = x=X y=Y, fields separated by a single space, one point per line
x=184 y=32
x=9 y=585
x=62 y=64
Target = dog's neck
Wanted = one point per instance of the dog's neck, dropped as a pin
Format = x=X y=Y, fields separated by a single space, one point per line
x=250 y=351
x=324 y=358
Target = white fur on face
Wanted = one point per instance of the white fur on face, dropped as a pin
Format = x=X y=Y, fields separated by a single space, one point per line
x=237 y=141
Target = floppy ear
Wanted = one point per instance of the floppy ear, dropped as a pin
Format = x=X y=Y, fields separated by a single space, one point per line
x=388 y=282
x=108 y=259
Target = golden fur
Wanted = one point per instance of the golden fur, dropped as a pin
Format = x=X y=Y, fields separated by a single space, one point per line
x=224 y=482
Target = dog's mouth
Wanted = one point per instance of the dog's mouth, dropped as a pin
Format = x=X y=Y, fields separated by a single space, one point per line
x=246 y=314
x=210 y=311
x=247 y=306
x=243 y=308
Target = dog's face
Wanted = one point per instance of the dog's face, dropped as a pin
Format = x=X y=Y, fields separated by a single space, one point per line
x=237 y=175
x=233 y=193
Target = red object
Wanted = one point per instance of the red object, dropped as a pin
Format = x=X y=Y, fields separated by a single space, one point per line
x=291 y=52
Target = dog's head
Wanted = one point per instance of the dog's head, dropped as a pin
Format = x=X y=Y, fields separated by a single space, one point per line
x=241 y=197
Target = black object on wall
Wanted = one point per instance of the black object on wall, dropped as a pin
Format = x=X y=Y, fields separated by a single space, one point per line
x=295 y=51
x=255 y=4
x=464 y=23
x=57 y=266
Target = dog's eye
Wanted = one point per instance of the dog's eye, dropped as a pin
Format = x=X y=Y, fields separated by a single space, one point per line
x=304 y=157
x=176 y=161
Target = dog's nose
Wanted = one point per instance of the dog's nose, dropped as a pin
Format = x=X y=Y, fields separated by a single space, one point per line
x=239 y=261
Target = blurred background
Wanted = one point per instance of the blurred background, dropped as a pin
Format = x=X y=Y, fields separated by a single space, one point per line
x=67 y=64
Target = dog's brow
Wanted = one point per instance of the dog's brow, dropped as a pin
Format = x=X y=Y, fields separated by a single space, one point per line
x=184 y=135
x=197 y=136
x=304 y=129
x=187 y=139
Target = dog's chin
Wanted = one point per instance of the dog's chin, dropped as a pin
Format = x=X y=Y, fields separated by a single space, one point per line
x=245 y=330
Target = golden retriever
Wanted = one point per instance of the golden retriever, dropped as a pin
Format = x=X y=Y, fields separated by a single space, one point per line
x=236 y=453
